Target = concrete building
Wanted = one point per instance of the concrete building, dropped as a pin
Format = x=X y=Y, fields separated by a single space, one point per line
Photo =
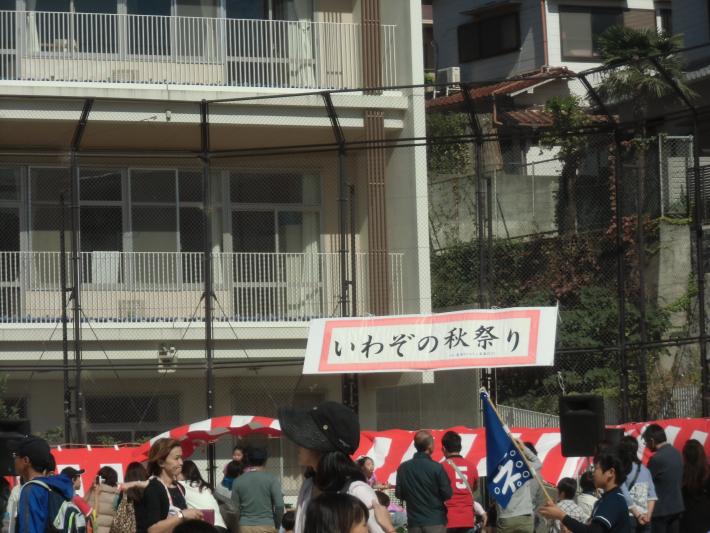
x=496 y=40
x=147 y=66
x=544 y=43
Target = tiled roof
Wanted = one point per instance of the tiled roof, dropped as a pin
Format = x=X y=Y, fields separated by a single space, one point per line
x=525 y=81
x=536 y=118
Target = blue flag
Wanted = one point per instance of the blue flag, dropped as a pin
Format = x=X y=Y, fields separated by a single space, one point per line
x=506 y=469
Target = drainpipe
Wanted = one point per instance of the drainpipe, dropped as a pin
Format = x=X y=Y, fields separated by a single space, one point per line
x=543 y=21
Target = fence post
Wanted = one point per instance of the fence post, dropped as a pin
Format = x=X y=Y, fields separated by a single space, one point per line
x=619 y=244
x=207 y=271
x=76 y=263
x=65 y=319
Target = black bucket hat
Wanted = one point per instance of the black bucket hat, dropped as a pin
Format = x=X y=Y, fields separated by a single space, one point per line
x=327 y=427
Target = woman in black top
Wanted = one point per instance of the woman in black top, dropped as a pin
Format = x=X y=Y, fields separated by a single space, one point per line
x=163 y=506
x=696 y=489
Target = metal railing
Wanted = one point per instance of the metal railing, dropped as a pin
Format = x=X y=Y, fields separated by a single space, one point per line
x=109 y=48
x=517 y=417
x=167 y=286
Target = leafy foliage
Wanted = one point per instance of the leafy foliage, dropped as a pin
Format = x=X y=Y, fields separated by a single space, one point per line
x=444 y=156
x=54 y=435
x=633 y=76
x=6 y=411
x=576 y=271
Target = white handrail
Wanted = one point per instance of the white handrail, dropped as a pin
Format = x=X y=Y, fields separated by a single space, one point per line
x=113 y=48
x=167 y=286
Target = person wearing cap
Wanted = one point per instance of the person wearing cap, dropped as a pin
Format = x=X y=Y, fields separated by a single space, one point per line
x=424 y=485
x=327 y=435
x=32 y=459
x=75 y=476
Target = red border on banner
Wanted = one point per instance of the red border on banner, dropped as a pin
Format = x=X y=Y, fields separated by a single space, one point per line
x=532 y=314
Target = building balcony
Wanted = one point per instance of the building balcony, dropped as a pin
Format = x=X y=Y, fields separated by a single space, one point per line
x=166 y=287
x=62 y=47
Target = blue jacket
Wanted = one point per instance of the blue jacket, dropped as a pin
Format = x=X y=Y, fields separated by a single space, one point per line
x=34 y=499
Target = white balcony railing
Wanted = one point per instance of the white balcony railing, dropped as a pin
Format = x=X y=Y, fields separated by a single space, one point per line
x=90 y=47
x=167 y=287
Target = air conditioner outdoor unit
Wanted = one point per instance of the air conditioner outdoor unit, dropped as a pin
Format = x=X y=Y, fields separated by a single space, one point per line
x=449 y=75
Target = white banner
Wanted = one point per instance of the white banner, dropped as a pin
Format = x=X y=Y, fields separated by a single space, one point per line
x=522 y=336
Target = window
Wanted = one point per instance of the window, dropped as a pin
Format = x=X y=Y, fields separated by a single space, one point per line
x=129 y=419
x=149 y=36
x=667 y=20
x=101 y=219
x=95 y=6
x=274 y=188
x=49 y=5
x=46 y=185
x=489 y=37
x=9 y=184
x=270 y=9
x=275 y=213
x=260 y=226
x=580 y=27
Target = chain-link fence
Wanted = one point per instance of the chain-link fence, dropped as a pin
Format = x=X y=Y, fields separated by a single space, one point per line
x=186 y=245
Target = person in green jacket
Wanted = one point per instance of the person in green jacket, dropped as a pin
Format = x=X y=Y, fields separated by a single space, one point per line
x=424 y=485
x=257 y=495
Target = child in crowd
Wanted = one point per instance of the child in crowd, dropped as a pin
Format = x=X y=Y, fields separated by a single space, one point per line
x=288 y=522
x=397 y=512
x=611 y=514
x=566 y=491
x=588 y=497
x=334 y=512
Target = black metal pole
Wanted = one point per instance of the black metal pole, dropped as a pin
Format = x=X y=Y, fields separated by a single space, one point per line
x=643 y=330
x=353 y=255
x=487 y=375
x=342 y=227
x=207 y=269
x=619 y=244
x=349 y=382
x=76 y=296
x=621 y=289
x=700 y=260
x=65 y=319
x=76 y=264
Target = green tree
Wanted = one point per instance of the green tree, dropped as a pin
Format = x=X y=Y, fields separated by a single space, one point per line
x=633 y=78
x=7 y=411
x=568 y=119
x=636 y=61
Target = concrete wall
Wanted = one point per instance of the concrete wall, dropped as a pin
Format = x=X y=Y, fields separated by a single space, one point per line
x=526 y=204
x=406 y=182
x=673 y=278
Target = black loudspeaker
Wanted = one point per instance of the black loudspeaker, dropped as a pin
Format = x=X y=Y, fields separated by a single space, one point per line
x=613 y=436
x=581 y=424
x=10 y=430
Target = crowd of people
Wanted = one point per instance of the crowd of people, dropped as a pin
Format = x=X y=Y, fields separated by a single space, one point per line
x=617 y=494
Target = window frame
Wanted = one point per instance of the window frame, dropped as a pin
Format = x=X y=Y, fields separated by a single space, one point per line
x=473 y=28
x=276 y=208
x=618 y=11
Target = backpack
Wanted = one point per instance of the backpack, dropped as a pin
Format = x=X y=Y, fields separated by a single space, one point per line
x=62 y=514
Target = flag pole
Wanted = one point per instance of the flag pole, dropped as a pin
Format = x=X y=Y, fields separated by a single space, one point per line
x=518 y=446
